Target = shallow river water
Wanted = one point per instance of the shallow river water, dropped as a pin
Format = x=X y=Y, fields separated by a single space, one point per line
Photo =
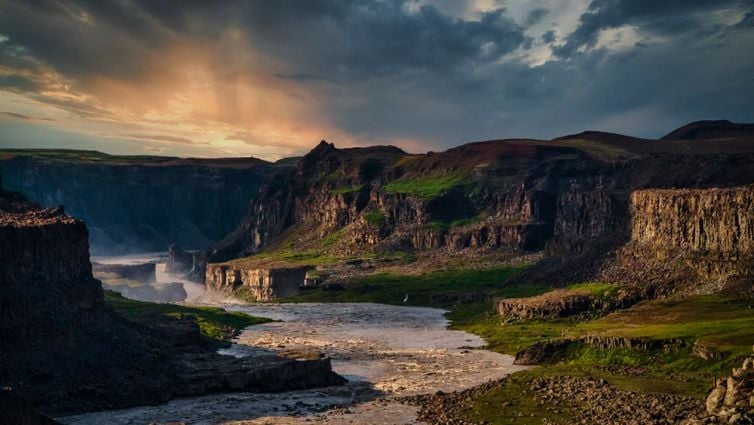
x=385 y=352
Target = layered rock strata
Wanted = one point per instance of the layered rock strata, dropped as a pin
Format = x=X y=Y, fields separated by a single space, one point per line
x=256 y=284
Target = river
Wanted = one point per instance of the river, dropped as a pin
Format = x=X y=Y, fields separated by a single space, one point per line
x=385 y=352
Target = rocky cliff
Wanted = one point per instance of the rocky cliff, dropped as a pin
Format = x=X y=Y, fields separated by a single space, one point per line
x=137 y=204
x=569 y=198
x=64 y=351
x=705 y=236
x=255 y=284
x=46 y=283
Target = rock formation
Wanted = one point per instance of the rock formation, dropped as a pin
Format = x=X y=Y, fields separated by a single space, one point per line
x=255 y=284
x=704 y=236
x=191 y=264
x=64 y=351
x=731 y=401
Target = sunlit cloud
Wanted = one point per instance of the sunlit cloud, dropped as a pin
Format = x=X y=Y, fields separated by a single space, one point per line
x=271 y=79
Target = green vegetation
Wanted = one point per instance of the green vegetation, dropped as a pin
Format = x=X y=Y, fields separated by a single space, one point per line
x=347 y=189
x=723 y=325
x=374 y=218
x=428 y=187
x=213 y=322
x=514 y=403
x=442 y=288
x=594 y=289
x=447 y=225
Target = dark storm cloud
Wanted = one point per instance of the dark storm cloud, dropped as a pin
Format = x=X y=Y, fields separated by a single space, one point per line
x=535 y=16
x=666 y=17
x=386 y=70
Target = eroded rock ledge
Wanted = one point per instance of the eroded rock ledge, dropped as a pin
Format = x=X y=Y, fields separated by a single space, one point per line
x=253 y=282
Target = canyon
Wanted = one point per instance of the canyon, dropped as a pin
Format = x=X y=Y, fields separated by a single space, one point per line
x=589 y=203
x=538 y=246
x=65 y=351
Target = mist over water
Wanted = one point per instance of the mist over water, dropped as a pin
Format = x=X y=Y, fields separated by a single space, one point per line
x=126 y=274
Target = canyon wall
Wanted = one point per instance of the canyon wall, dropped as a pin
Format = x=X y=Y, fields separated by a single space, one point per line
x=46 y=284
x=255 y=284
x=703 y=221
x=702 y=236
x=142 y=204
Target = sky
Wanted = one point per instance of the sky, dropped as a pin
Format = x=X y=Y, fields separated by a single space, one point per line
x=271 y=79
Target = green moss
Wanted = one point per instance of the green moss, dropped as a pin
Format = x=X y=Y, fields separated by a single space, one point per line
x=447 y=225
x=347 y=189
x=595 y=289
x=213 y=322
x=374 y=218
x=428 y=187
x=332 y=238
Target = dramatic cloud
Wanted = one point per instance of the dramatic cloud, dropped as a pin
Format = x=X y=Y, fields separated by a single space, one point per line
x=271 y=78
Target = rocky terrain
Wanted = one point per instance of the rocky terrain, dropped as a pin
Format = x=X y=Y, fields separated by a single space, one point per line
x=65 y=351
x=577 y=199
x=731 y=400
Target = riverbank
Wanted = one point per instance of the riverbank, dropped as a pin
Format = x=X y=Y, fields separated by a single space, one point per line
x=387 y=353
x=659 y=351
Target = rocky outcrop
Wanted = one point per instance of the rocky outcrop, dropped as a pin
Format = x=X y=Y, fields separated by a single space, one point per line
x=704 y=236
x=255 y=284
x=731 y=401
x=555 y=304
x=714 y=220
x=548 y=351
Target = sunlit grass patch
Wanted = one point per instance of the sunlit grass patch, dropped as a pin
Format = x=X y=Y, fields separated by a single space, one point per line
x=427 y=187
x=213 y=322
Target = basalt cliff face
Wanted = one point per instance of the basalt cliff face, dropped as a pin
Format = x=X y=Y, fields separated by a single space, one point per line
x=137 y=204
x=64 y=351
x=40 y=247
x=700 y=236
x=576 y=199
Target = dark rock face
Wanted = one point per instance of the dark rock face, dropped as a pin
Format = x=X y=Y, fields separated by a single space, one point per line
x=16 y=411
x=138 y=205
x=46 y=284
x=190 y=264
x=64 y=352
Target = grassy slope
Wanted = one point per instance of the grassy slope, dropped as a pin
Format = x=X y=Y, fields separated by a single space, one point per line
x=427 y=187
x=442 y=288
x=213 y=322
x=723 y=324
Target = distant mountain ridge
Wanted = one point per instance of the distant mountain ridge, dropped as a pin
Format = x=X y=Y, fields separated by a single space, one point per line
x=706 y=130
